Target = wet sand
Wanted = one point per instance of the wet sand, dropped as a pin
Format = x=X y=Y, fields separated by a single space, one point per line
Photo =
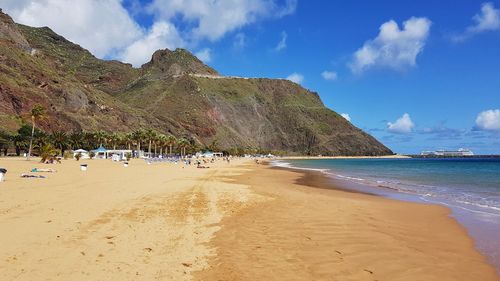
x=305 y=233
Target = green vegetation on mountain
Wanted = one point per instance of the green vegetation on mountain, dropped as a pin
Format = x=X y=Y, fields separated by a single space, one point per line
x=175 y=94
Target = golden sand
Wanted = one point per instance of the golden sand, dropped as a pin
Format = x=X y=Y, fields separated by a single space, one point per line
x=238 y=221
x=143 y=222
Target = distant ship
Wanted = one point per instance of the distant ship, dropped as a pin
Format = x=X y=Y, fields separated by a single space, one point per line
x=454 y=153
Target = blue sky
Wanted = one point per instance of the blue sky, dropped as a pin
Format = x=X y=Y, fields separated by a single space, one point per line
x=418 y=75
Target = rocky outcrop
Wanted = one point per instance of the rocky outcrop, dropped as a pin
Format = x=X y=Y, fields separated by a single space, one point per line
x=176 y=63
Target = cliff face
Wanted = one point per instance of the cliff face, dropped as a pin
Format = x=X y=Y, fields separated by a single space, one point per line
x=173 y=93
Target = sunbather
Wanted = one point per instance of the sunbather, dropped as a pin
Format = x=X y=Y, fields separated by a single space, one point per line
x=32 y=176
x=201 y=166
x=42 y=170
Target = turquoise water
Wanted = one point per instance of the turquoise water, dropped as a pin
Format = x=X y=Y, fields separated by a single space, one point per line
x=470 y=187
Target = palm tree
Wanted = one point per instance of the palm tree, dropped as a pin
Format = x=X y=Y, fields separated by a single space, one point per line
x=100 y=137
x=138 y=136
x=89 y=140
x=37 y=112
x=76 y=140
x=128 y=139
x=19 y=143
x=156 y=141
x=121 y=140
x=182 y=144
x=114 y=139
x=5 y=141
x=171 y=140
x=162 y=142
x=60 y=139
x=41 y=139
x=150 y=136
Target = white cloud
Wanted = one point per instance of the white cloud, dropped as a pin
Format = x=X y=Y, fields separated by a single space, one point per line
x=296 y=78
x=488 y=120
x=161 y=35
x=329 y=75
x=204 y=55
x=108 y=30
x=394 y=48
x=213 y=19
x=99 y=26
x=487 y=20
x=282 y=43
x=403 y=125
x=346 y=116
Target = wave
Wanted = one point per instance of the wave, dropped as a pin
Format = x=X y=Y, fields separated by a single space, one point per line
x=451 y=205
x=428 y=193
x=349 y=178
x=480 y=205
x=283 y=164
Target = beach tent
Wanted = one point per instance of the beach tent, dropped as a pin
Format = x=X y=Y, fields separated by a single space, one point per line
x=118 y=154
x=208 y=154
x=84 y=153
x=101 y=152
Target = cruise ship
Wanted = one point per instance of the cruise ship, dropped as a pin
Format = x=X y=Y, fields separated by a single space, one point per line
x=451 y=153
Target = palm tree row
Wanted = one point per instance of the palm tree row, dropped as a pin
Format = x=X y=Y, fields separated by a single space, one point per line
x=153 y=142
x=29 y=139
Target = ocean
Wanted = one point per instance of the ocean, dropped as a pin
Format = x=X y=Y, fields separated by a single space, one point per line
x=470 y=187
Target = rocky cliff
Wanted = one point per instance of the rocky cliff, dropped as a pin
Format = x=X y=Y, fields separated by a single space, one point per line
x=173 y=93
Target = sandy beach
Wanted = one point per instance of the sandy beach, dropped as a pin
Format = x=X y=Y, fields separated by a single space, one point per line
x=143 y=222
x=238 y=221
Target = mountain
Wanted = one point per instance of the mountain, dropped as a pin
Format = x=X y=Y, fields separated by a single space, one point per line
x=174 y=93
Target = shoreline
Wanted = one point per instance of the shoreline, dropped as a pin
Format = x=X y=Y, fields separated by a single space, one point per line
x=316 y=179
x=309 y=232
x=396 y=156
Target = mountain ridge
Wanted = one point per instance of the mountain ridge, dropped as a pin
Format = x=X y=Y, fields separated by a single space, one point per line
x=173 y=93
